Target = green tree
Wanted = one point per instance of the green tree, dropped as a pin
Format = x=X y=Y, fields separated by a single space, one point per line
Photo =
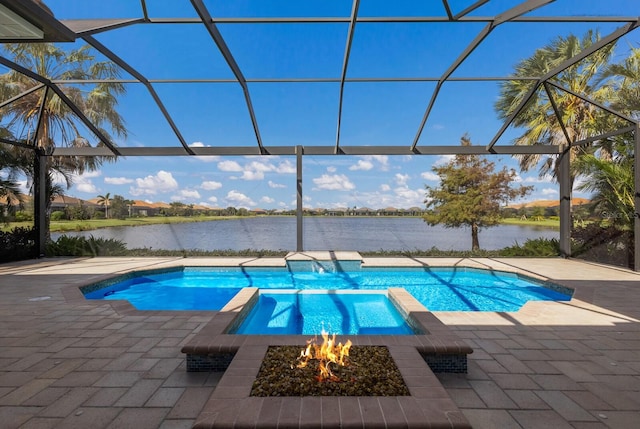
x=538 y=118
x=77 y=212
x=470 y=193
x=59 y=125
x=537 y=213
x=120 y=207
x=104 y=200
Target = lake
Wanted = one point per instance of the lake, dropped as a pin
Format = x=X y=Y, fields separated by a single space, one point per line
x=320 y=233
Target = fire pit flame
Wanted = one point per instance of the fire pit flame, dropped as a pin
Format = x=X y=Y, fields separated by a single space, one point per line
x=326 y=354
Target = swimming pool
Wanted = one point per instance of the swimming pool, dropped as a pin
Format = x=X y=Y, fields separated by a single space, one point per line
x=313 y=312
x=438 y=289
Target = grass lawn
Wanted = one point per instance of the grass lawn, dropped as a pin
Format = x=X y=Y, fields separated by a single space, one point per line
x=91 y=224
x=87 y=225
x=547 y=223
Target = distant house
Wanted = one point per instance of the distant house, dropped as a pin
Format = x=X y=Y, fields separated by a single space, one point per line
x=61 y=202
x=258 y=212
x=143 y=208
x=160 y=207
x=338 y=211
x=388 y=211
x=363 y=211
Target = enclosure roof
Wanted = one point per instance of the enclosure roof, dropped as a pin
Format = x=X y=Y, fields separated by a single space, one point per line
x=299 y=76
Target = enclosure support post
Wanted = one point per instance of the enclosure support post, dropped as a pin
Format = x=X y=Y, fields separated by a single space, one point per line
x=299 y=246
x=636 y=200
x=565 y=202
x=39 y=200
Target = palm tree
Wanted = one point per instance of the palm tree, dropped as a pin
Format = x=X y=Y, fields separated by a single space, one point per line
x=625 y=83
x=612 y=184
x=10 y=194
x=59 y=125
x=538 y=119
x=104 y=201
x=610 y=170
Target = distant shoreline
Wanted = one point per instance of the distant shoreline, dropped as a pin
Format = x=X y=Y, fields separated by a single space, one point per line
x=93 y=224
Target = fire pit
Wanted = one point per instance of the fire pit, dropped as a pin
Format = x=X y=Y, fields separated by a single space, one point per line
x=328 y=370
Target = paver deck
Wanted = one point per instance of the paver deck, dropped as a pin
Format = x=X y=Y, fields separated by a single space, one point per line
x=68 y=363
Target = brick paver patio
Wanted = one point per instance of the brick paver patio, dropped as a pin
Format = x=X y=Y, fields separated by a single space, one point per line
x=67 y=363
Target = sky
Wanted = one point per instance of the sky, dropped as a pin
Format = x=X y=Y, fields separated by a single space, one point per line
x=305 y=113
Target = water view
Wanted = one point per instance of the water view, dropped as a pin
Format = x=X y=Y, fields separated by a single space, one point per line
x=320 y=233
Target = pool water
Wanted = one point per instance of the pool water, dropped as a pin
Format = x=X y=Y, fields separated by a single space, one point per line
x=438 y=289
x=311 y=313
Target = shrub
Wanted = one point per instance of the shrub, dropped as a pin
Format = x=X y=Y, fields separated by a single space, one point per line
x=86 y=246
x=23 y=216
x=18 y=244
x=534 y=247
x=58 y=215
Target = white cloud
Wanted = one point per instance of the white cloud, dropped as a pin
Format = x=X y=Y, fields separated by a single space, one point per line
x=238 y=199
x=428 y=175
x=383 y=160
x=537 y=179
x=210 y=185
x=407 y=197
x=185 y=194
x=267 y=200
x=256 y=169
x=362 y=164
x=275 y=185
x=443 y=159
x=81 y=183
x=549 y=191
x=336 y=182
x=385 y=188
x=197 y=144
x=163 y=181
x=252 y=175
x=87 y=187
x=259 y=166
x=367 y=163
x=91 y=174
x=286 y=167
x=401 y=179
x=228 y=165
x=212 y=199
x=331 y=169
x=117 y=180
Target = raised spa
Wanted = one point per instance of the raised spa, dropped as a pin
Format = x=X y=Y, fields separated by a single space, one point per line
x=312 y=312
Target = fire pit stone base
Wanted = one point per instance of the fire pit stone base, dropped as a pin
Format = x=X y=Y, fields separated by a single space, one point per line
x=427 y=405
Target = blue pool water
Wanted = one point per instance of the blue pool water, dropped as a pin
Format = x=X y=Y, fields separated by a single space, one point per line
x=304 y=313
x=438 y=289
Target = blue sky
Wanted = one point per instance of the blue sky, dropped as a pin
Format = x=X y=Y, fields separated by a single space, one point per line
x=288 y=114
